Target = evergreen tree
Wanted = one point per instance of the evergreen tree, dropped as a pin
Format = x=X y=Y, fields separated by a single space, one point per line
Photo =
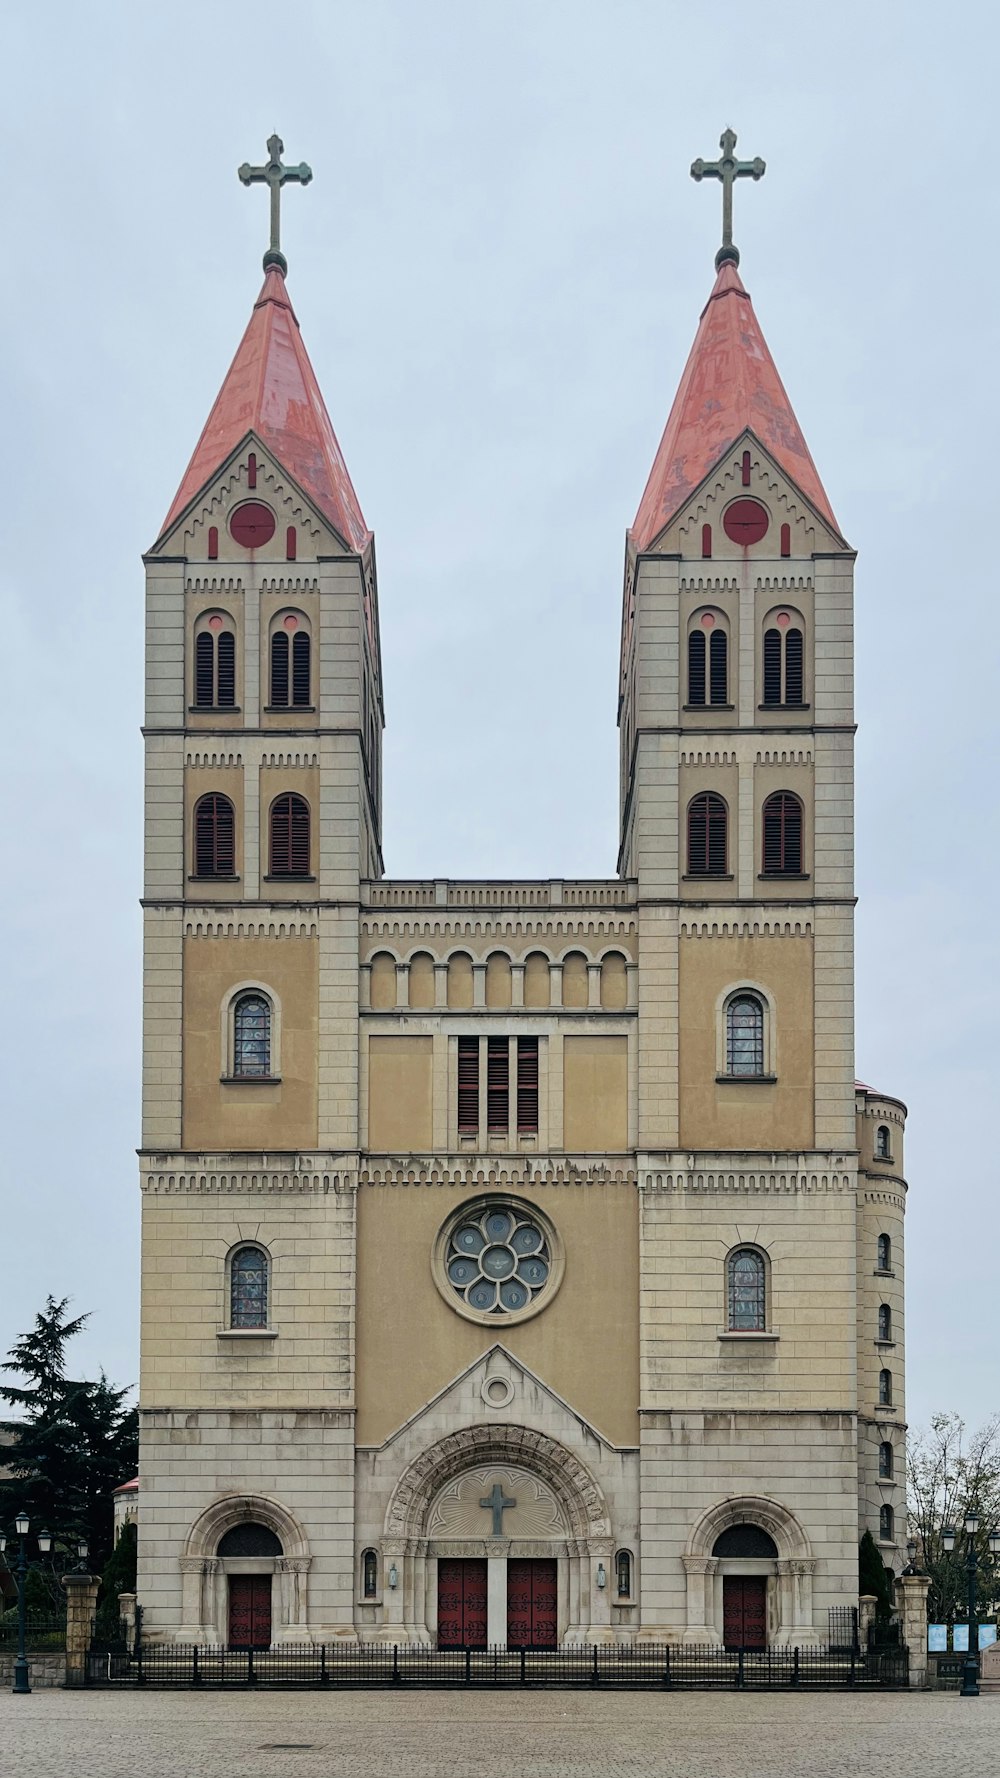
x=74 y=1442
x=873 y=1576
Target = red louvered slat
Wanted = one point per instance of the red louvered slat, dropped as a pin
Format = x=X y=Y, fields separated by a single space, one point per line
x=468 y=1086
x=300 y=836
x=204 y=670
x=696 y=667
x=527 y=1086
x=718 y=659
x=497 y=1086
x=227 y=670
x=289 y=837
x=782 y=834
x=300 y=668
x=279 y=668
x=707 y=835
x=772 y=666
x=717 y=826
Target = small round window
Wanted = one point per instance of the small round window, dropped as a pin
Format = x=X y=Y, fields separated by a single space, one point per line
x=497 y=1260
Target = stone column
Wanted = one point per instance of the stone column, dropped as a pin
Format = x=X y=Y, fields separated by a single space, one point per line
x=192 y=1628
x=496 y=1601
x=915 y=1589
x=594 y=985
x=866 y=1616
x=701 y=1572
x=126 y=1611
x=393 y=1596
x=441 y=985
x=81 y=1599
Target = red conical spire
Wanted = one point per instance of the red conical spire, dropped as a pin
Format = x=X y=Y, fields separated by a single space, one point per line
x=271 y=389
x=730 y=384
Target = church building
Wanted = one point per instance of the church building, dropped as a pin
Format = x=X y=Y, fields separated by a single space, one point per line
x=522 y=1262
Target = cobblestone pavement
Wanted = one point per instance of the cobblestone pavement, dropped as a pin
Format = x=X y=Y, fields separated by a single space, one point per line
x=59 y=1734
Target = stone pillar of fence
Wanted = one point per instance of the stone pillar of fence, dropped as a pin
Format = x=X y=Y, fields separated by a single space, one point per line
x=866 y=1616
x=126 y=1611
x=915 y=1588
x=81 y=1599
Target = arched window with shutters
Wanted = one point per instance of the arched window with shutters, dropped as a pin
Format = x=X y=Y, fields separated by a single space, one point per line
x=214 y=837
x=745 y=1035
x=885 y=1461
x=885 y=1389
x=784 y=660
x=883 y=1254
x=884 y=1322
x=782 y=825
x=707 y=830
x=746 y=1291
x=214 y=663
x=886 y=1524
x=289 y=824
x=291 y=666
x=251 y=1054
x=248 y=1291
x=708 y=660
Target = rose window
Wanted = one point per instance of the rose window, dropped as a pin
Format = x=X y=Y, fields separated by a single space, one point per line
x=498 y=1261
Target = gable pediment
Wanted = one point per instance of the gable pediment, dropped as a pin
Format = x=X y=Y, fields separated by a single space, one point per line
x=748 y=471
x=233 y=484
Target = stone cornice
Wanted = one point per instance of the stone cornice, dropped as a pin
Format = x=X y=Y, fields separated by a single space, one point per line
x=749 y=1174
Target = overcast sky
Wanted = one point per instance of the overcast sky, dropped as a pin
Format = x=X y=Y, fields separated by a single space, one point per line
x=498 y=270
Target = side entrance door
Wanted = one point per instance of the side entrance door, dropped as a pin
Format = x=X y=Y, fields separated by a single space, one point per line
x=249 y=1611
x=531 y=1604
x=461 y=1603
x=744 y=1610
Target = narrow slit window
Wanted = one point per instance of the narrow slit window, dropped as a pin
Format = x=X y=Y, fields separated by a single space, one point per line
x=289 y=837
x=782 y=835
x=718 y=650
x=279 y=668
x=885 y=1461
x=745 y=1035
x=623 y=1574
x=300 y=668
x=214 y=837
x=251 y=1036
x=468 y=1086
x=369 y=1575
x=248 y=1288
x=747 y=1304
x=886 y=1524
x=884 y=1322
x=885 y=1389
x=227 y=670
x=204 y=670
x=527 y=1086
x=882 y=1143
x=883 y=1253
x=696 y=667
x=707 y=836
x=497 y=1086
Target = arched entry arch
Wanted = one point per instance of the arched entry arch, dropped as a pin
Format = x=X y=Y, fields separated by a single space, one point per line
x=789 y=1573
x=205 y=1571
x=578 y=1537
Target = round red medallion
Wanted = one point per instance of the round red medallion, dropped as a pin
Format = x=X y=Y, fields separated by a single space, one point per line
x=252 y=524
x=745 y=521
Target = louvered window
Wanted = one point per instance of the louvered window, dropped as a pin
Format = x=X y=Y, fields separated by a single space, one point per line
x=468 y=1086
x=214 y=837
x=793 y=667
x=746 y=1292
x=300 y=668
x=783 y=835
x=783 y=666
x=248 y=1288
x=226 y=645
x=745 y=1035
x=204 y=670
x=772 y=666
x=289 y=837
x=696 y=667
x=251 y=1036
x=279 y=668
x=718 y=651
x=884 y=1322
x=497 y=1086
x=707 y=824
x=527 y=1086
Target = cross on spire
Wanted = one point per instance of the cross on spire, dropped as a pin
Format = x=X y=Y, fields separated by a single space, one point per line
x=728 y=169
x=496 y=1502
x=275 y=175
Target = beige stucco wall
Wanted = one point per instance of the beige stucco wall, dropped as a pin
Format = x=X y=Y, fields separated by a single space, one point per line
x=595 y=1094
x=400 y=1100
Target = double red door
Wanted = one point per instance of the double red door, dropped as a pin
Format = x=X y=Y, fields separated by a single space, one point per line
x=461 y=1603
x=744 y=1611
x=249 y=1611
x=531 y=1604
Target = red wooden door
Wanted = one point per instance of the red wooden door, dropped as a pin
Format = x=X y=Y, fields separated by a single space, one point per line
x=531 y=1604
x=461 y=1603
x=249 y=1611
x=744 y=1611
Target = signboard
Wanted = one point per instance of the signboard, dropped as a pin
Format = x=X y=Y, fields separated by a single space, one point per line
x=937 y=1638
x=960 y=1638
x=987 y=1635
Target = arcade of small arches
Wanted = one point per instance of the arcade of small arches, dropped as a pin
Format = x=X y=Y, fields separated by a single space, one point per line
x=541 y=981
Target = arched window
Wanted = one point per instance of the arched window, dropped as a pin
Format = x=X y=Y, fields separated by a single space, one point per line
x=886 y=1520
x=369 y=1574
x=782 y=835
x=884 y=1322
x=248 y=1297
x=707 y=836
x=744 y=1035
x=885 y=1461
x=291 y=685
x=708 y=662
x=249 y=1539
x=745 y=1541
x=783 y=661
x=883 y=1254
x=882 y=1150
x=214 y=837
x=885 y=1389
x=289 y=837
x=214 y=665
x=623 y=1574
x=251 y=1036
x=747 y=1291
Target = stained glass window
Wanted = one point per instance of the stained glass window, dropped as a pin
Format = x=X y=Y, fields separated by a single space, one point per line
x=746 y=1292
x=745 y=1035
x=885 y=1523
x=369 y=1574
x=498 y=1260
x=885 y=1389
x=884 y=1253
x=248 y=1288
x=885 y=1460
x=623 y=1573
x=884 y=1322
x=252 y=1035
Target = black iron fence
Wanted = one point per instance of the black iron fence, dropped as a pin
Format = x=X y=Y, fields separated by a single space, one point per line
x=626 y=1665
x=43 y=1630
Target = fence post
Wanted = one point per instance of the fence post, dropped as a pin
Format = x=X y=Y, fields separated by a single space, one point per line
x=596 y=1675
x=468 y=1666
x=852 y=1677
x=251 y=1675
x=795 y=1665
x=324 y=1677
x=739 y=1671
x=195 y=1670
x=81 y=1598
x=395 y=1664
x=523 y=1681
x=666 y=1666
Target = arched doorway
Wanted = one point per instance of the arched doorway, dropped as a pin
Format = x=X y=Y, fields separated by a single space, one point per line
x=244 y=1572
x=749 y=1568
x=501 y=1539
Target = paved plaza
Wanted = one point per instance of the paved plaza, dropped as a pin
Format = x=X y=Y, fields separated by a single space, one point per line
x=511 y=1735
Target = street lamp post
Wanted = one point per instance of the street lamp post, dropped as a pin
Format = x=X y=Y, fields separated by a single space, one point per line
x=22 y=1526
x=970 y=1666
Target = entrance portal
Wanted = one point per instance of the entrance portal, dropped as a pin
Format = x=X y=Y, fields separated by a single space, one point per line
x=531 y=1604
x=744 y=1611
x=249 y=1611
x=461 y=1603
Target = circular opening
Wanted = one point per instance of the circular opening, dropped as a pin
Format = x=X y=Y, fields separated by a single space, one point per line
x=494 y=1261
x=252 y=524
x=745 y=521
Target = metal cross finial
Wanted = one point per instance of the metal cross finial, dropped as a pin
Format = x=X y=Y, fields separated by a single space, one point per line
x=727 y=168
x=275 y=175
x=496 y=1501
